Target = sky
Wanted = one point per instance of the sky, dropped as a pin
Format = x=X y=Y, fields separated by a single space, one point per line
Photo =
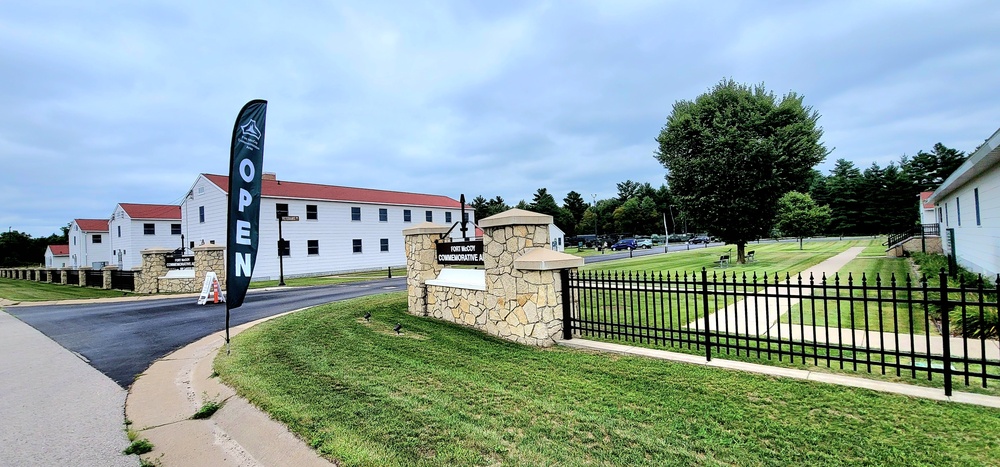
x=127 y=102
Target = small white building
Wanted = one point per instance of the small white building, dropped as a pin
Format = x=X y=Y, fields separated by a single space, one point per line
x=928 y=212
x=339 y=229
x=57 y=256
x=557 y=238
x=969 y=201
x=88 y=243
x=135 y=227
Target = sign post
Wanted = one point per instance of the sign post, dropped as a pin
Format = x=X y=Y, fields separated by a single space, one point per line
x=282 y=247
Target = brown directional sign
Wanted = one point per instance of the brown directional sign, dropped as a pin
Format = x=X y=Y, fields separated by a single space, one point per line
x=467 y=253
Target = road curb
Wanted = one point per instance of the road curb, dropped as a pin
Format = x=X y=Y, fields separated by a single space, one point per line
x=162 y=400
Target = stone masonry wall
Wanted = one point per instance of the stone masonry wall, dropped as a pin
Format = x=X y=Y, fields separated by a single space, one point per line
x=522 y=301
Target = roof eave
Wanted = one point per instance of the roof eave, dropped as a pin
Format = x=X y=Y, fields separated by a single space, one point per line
x=984 y=158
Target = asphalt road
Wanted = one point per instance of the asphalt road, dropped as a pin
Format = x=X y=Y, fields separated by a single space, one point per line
x=122 y=339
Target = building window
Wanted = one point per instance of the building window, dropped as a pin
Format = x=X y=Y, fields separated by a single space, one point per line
x=958 y=211
x=280 y=210
x=149 y=229
x=429 y=215
x=465 y=217
x=119 y=231
x=201 y=215
x=447 y=218
x=383 y=215
x=383 y=244
x=74 y=239
x=357 y=245
x=975 y=193
x=406 y=215
x=312 y=213
x=96 y=238
x=947 y=218
x=355 y=213
x=313 y=246
x=284 y=248
x=175 y=229
x=940 y=217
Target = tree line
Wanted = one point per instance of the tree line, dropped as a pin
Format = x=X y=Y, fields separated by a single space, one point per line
x=20 y=249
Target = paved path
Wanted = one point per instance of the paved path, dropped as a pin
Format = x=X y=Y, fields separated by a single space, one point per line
x=55 y=409
x=754 y=315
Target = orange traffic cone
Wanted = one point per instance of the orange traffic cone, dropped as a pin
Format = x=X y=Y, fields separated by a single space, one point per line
x=215 y=287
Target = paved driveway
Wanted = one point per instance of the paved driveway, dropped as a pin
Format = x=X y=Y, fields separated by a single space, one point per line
x=121 y=339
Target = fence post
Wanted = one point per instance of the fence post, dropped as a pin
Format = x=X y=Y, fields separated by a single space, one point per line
x=945 y=332
x=567 y=320
x=704 y=310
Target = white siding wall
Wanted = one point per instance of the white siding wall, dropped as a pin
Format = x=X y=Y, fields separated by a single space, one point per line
x=48 y=258
x=97 y=253
x=133 y=239
x=213 y=199
x=977 y=247
x=120 y=231
x=77 y=246
x=333 y=228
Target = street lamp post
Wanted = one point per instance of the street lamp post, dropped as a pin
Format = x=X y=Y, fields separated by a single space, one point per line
x=594 y=197
x=281 y=244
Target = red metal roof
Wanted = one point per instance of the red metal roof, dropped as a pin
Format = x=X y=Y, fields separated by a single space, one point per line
x=59 y=250
x=283 y=189
x=92 y=225
x=152 y=211
x=923 y=199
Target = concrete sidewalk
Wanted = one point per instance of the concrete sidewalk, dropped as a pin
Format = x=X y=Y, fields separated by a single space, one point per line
x=754 y=315
x=161 y=402
x=830 y=378
x=55 y=409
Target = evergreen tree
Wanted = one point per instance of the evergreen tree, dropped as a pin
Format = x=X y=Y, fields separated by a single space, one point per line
x=576 y=206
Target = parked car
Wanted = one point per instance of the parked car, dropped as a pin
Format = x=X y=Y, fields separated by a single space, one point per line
x=624 y=244
x=701 y=239
x=645 y=243
x=677 y=238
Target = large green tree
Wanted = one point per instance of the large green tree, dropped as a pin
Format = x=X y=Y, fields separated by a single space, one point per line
x=800 y=217
x=928 y=170
x=733 y=152
x=575 y=204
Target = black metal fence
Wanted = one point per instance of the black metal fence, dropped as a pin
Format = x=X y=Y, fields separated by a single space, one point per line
x=56 y=276
x=94 y=278
x=906 y=327
x=123 y=280
x=73 y=276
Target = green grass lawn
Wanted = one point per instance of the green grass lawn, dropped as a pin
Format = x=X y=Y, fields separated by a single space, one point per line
x=334 y=279
x=440 y=394
x=30 y=291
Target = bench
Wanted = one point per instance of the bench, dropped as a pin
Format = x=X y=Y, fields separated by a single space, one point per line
x=723 y=261
x=749 y=256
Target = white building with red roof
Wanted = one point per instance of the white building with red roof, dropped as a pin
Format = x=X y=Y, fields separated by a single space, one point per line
x=89 y=243
x=57 y=256
x=135 y=227
x=339 y=228
x=928 y=213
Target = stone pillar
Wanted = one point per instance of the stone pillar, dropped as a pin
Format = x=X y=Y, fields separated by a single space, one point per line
x=210 y=258
x=421 y=263
x=63 y=273
x=107 y=276
x=83 y=275
x=38 y=274
x=154 y=266
x=523 y=291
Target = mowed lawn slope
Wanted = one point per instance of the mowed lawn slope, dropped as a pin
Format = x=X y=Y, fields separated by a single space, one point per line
x=439 y=394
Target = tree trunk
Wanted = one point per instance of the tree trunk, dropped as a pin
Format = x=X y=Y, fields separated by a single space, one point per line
x=740 y=252
x=800 y=243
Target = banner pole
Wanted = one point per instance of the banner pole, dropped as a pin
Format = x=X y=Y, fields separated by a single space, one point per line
x=227 y=328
